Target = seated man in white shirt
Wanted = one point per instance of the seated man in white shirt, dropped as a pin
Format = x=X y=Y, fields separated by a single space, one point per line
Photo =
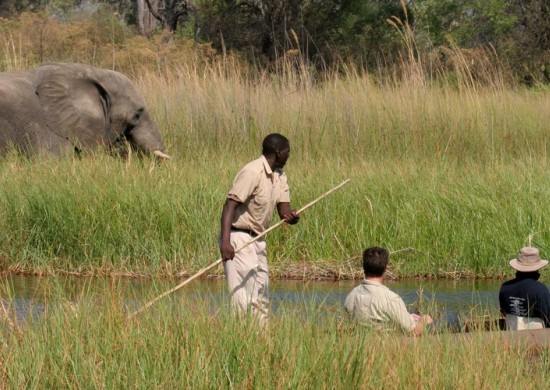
x=373 y=304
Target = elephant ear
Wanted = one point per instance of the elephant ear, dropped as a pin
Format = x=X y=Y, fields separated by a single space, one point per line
x=76 y=107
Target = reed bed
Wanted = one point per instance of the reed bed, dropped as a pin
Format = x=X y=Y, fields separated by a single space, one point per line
x=453 y=182
x=86 y=341
x=104 y=217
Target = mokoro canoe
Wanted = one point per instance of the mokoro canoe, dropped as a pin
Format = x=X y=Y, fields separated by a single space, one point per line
x=495 y=329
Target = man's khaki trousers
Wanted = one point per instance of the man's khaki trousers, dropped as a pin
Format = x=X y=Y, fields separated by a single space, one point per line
x=247 y=277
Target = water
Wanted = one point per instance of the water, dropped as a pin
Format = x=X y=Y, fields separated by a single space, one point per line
x=31 y=295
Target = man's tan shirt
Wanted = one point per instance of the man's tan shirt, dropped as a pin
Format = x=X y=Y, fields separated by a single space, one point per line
x=374 y=304
x=259 y=190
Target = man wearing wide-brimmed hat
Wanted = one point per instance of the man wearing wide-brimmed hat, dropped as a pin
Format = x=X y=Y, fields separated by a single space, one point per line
x=524 y=301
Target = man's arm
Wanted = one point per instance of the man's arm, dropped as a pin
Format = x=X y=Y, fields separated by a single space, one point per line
x=226 y=249
x=397 y=311
x=544 y=305
x=286 y=213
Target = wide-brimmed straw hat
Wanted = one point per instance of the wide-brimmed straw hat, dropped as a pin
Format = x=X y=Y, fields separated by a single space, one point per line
x=528 y=260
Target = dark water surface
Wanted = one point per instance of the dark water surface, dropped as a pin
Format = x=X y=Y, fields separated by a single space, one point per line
x=31 y=295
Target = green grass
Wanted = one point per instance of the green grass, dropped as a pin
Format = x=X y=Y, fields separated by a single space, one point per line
x=85 y=341
x=101 y=216
x=453 y=182
x=452 y=179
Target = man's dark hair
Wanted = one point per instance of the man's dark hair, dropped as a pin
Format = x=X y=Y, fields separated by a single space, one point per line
x=375 y=260
x=274 y=142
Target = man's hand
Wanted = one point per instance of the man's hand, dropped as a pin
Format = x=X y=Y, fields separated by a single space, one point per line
x=287 y=214
x=421 y=323
x=427 y=319
x=227 y=251
x=292 y=217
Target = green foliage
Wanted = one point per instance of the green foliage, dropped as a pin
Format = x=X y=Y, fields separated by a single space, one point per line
x=126 y=10
x=455 y=191
x=468 y=23
x=529 y=52
x=87 y=342
x=322 y=32
x=519 y=31
x=322 y=36
x=55 y=7
x=360 y=30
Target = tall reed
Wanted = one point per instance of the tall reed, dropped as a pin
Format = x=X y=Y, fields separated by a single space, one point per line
x=86 y=342
x=451 y=177
x=456 y=176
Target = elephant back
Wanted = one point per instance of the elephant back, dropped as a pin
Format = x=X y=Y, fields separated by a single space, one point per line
x=22 y=124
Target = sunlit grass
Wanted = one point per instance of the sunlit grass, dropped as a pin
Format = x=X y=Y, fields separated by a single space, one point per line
x=450 y=175
x=452 y=182
x=102 y=216
x=87 y=341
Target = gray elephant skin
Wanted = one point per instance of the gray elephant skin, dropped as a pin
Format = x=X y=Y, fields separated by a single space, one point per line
x=66 y=108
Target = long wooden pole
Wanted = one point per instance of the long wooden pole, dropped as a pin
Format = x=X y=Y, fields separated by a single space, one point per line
x=209 y=267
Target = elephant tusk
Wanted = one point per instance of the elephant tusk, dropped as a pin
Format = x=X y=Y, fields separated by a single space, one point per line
x=158 y=153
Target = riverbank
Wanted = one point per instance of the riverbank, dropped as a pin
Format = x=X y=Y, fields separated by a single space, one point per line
x=321 y=271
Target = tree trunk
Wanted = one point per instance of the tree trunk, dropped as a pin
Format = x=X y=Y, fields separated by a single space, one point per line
x=146 y=21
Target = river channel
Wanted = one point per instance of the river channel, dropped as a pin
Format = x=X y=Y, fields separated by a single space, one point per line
x=30 y=295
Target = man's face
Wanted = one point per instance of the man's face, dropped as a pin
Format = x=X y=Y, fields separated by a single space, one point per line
x=282 y=156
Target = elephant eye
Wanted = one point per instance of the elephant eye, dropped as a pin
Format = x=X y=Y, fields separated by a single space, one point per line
x=137 y=115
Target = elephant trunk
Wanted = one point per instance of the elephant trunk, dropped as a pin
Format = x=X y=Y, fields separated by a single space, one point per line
x=146 y=138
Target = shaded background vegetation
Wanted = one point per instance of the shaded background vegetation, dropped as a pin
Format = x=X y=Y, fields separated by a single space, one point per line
x=320 y=35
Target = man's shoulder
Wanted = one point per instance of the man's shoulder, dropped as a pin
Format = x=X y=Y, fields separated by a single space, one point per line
x=254 y=164
x=543 y=288
x=389 y=295
x=253 y=167
x=524 y=286
x=357 y=289
x=508 y=283
x=392 y=294
x=529 y=283
x=370 y=288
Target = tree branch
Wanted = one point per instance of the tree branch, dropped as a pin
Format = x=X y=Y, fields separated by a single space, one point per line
x=154 y=13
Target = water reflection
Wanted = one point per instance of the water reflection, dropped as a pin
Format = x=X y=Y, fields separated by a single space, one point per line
x=31 y=295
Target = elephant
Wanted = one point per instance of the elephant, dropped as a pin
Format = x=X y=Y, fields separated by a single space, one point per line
x=60 y=108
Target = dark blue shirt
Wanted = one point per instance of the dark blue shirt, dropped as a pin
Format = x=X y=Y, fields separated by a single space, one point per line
x=525 y=296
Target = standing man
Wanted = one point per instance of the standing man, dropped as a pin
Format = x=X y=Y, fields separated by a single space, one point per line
x=258 y=188
x=524 y=301
x=373 y=304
